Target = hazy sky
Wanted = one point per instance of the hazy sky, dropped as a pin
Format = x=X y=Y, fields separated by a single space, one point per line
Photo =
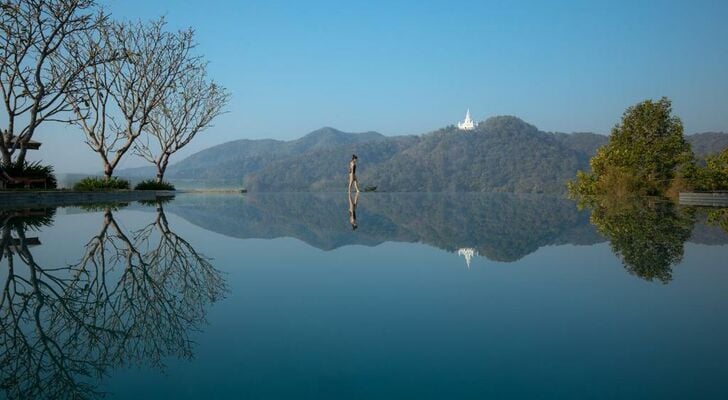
x=403 y=67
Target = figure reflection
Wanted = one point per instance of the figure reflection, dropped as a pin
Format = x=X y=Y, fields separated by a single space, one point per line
x=132 y=298
x=352 y=210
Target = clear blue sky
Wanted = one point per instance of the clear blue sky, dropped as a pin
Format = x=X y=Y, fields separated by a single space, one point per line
x=403 y=67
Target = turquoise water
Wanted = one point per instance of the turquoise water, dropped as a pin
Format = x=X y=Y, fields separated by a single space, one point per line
x=431 y=296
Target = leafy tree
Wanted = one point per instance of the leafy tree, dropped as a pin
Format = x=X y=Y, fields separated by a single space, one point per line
x=645 y=153
x=714 y=176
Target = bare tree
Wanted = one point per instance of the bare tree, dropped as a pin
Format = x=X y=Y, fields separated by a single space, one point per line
x=115 y=100
x=187 y=109
x=39 y=64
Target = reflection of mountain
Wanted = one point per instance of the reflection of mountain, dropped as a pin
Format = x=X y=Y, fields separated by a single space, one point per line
x=131 y=299
x=499 y=226
x=503 y=227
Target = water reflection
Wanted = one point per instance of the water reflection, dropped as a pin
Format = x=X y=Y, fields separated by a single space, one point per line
x=648 y=234
x=132 y=298
x=502 y=227
x=718 y=218
x=352 y=210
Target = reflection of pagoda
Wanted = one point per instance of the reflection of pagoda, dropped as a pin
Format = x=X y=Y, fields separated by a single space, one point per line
x=468 y=253
x=467 y=124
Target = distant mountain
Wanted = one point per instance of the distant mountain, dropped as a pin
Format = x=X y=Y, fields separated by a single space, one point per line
x=324 y=169
x=584 y=143
x=500 y=226
x=708 y=143
x=502 y=154
x=236 y=159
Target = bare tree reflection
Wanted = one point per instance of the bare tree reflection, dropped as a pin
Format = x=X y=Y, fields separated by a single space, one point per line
x=134 y=297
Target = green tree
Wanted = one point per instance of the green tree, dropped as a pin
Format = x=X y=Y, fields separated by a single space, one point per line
x=714 y=176
x=646 y=152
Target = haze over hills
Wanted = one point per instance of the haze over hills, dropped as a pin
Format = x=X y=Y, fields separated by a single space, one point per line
x=502 y=153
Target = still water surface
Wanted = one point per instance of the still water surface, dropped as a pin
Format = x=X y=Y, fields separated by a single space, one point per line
x=381 y=296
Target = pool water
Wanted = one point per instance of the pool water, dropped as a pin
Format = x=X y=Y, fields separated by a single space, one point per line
x=277 y=296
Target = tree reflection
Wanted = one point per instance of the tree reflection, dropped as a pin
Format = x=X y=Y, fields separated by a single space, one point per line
x=719 y=218
x=132 y=298
x=648 y=234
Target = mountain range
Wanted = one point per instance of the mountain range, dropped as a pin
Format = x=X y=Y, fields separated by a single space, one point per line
x=502 y=154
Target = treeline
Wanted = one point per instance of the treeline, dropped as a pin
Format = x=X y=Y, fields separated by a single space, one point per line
x=131 y=87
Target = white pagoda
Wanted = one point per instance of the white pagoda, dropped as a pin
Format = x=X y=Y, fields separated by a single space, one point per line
x=467 y=124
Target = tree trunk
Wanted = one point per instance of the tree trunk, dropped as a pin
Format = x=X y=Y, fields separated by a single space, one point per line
x=108 y=170
x=24 y=139
x=6 y=159
x=21 y=156
x=162 y=167
x=160 y=174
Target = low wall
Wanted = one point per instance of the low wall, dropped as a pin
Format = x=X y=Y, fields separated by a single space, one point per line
x=60 y=198
x=710 y=199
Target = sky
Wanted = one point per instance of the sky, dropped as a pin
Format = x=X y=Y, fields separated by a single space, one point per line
x=410 y=67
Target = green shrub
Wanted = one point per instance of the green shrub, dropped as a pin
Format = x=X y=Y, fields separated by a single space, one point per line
x=151 y=184
x=34 y=170
x=714 y=175
x=101 y=183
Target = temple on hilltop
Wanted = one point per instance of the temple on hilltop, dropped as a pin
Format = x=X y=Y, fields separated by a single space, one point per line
x=467 y=124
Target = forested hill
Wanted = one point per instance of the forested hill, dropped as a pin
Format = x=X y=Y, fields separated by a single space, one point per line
x=502 y=154
x=237 y=159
